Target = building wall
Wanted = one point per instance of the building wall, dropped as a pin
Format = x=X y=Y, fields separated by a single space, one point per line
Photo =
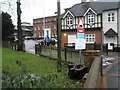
x=107 y=25
x=64 y=39
x=119 y=26
x=97 y=35
x=48 y=23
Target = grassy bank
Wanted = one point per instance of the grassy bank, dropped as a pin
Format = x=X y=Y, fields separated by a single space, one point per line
x=37 y=65
x=34 y=64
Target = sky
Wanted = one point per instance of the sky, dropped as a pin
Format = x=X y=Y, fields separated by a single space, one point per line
x=32 y=9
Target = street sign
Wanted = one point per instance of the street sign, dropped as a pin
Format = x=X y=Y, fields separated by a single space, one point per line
x=80 y=35
x=80 y=44
x=80 y=41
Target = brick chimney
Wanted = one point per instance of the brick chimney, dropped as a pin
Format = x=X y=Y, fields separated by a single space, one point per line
x=83 y=1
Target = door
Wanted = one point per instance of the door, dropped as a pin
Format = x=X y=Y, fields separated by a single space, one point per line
x=110 y=39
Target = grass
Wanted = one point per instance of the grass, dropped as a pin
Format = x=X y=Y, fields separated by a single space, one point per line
x=38 y=65
x=91 y=51
x=34 y=64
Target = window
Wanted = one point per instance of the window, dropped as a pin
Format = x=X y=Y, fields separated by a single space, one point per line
x=54 y=26
x=90 y=19
x=90 y=38
x=39 y=34
x=38 y=21
x=111 y=17
x=42 y=27
x=42 y=34
x=55 y=19
x=38 y=27
x=35 y=34
x=53 y=33
x=56 y=32
x=34 y=22
x=69 y=20
x=35 y=28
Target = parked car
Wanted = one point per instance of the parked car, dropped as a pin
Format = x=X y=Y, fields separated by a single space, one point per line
x=28 y=37
x=48 y=41
x=35 y=38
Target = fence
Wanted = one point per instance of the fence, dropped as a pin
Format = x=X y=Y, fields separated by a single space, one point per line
x=12 y=45
x=116 y=47
x=67 y=54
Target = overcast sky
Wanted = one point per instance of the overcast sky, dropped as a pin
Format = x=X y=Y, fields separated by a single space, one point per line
x=32 y=9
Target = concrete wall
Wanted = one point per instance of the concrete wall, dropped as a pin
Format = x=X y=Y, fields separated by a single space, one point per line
x=92 y=77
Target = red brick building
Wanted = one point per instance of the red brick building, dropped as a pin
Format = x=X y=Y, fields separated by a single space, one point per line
x=97 y=17
x=46 y=26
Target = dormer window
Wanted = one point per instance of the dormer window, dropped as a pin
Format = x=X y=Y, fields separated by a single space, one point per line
x=91 y=19
x=69 y=20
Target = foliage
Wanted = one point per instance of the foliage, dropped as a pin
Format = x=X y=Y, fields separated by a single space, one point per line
x=7 y=26
x=33 y=81
x=20 y=67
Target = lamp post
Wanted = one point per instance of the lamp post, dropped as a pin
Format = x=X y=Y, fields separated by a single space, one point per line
x=59 y=36
x=20 y=45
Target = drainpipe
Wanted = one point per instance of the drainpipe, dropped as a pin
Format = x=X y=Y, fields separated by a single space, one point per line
x=118 y=15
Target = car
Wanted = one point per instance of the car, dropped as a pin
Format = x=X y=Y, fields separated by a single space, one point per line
x=35 y=38
x=48 y=41
x=28 y=37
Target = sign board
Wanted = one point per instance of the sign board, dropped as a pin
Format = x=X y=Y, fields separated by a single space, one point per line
x=80 y=29
x=110 y=47
x=80 y=35
x=80 y=44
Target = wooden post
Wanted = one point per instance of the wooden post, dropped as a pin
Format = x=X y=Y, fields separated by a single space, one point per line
x=36 y=49
x=59 y=37
x=65 y=53
x=20 y=44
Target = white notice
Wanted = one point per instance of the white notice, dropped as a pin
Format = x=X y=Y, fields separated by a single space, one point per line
x=80 y=44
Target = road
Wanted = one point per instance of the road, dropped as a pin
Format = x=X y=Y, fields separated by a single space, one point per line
x=111 y=71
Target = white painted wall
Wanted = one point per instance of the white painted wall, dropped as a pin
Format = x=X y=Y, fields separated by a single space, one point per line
x=107 y=25
x=119 y=25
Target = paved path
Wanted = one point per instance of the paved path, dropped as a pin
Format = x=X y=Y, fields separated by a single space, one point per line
x=111 y=72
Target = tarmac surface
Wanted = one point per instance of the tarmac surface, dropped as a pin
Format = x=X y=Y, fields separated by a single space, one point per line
x=111 y=72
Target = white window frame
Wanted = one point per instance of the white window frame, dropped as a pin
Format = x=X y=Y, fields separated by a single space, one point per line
x=39 y=34
x=42 y=27
x=111 y=17
x=42 y=34
x=35 y=34
x=69 y=20
x=35 y=28
x=53 y=33
x=90 y=38
x=91 y=18
x=54 y=26
x=38 y=27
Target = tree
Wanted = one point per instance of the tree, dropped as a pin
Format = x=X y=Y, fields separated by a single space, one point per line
x=7 y=26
